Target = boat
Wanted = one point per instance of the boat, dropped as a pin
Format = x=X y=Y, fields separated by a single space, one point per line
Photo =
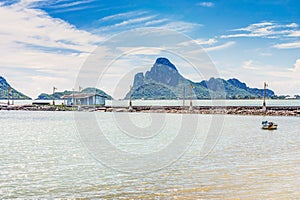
x=269 y=125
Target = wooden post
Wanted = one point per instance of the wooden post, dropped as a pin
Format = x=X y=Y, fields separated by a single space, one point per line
x=130 y=98
x=73 y=99
x=12 y=98
x=191 y=97
x=8 y=92
x=264 y=102
x=183 y=101
x=54 y=88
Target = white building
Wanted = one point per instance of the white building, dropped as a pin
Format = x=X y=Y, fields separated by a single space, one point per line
x=87 y=99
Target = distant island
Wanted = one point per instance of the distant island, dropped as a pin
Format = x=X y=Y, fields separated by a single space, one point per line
x=58 y=95
x=163 y=81
x=14 y=94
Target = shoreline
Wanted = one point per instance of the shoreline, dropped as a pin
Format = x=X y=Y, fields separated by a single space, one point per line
x=227 y=110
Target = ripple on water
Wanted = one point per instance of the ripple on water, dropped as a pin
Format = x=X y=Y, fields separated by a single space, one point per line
x=41 y=156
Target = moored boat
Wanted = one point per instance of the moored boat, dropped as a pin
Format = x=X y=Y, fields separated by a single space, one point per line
x=269 y=125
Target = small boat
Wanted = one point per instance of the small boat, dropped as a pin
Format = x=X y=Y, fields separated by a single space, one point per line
x=268 y=125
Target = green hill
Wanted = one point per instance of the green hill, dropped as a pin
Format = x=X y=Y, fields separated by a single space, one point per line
x=13 y=92
x=58 y=95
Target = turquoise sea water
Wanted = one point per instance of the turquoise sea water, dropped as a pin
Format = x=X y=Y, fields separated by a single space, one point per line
x=43 y=155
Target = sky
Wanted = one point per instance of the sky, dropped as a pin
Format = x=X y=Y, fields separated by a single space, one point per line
x=50 y=43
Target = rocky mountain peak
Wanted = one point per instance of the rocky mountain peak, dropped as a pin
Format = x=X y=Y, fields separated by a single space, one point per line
x=2 y=80
x=163 y=71
x=166 y=62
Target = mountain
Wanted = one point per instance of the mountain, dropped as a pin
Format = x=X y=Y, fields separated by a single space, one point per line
x=152 y=91
x=235 y=89
x=16 y=95
x=57 y=95
x=163 y=81
x=253 y=91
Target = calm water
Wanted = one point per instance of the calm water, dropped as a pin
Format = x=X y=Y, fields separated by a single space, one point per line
x=42 y=156
x=252 y=102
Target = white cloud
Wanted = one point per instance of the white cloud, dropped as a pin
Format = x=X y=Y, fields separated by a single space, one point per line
x=71 y=9
x=220 y=47
x=206 y=4
x=128 y=23
x=137 y=19
x=294 y=34
x=263 y=29
x=210 y=41
x=156 y=22
x=206 y=42
x=279 y=78
x=42 y=30
x=265 y=54
x=72 y=4
x=134 y=21
x=292 y=45
x=122 y=15
x=240 y=35
x=297 y=66
x=249 y=65
x=255 y=26
x=33 y=44
x=292 y=25
x=180 y=26
x=26 y=3
x=141 y=50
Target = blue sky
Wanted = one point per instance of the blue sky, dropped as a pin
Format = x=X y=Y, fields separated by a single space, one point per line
x=45 y=43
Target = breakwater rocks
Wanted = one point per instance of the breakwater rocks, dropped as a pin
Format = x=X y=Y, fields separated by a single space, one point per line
x=230 y=110
x=36 y=108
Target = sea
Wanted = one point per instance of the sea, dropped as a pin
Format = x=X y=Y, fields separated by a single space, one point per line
x=244 y=102
x=96 y=155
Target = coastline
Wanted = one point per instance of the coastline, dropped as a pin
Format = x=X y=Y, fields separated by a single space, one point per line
x=227 y=110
